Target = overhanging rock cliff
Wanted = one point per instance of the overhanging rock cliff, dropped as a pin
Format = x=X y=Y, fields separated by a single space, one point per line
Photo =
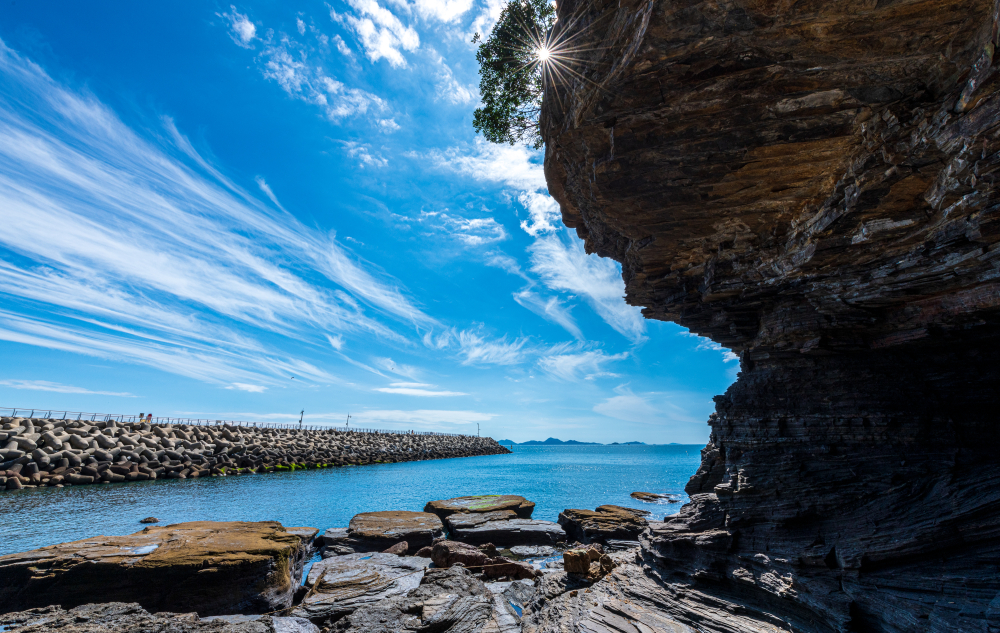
x=815 y=186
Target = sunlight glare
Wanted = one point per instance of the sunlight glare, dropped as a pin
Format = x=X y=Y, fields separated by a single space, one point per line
x=543 y=53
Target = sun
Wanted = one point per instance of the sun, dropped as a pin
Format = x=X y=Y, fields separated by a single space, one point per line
x=543 y=53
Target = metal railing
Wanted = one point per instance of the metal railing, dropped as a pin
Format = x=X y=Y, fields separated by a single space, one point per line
x=26 y=412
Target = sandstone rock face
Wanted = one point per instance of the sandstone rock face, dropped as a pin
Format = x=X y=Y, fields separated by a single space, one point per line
x=80 y=452
x=116 y=617
x=206 y=567
x=482 y=503
x=814 y=186
x=503 y=528
x=377 y=531
x=603 y=524
x=339 y=585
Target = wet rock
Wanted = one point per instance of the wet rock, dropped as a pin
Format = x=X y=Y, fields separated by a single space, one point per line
x=376 y=531
x=654 y=497
x=208 y=567
x=447 y=553
x=149 y=520
x=482 y=503
x=341 y=584
x=502 y=528
x=606 y=522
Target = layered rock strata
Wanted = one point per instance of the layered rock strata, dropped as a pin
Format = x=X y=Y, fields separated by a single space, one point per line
x=40 y=452
x=502 y=528
x=813 y=186
x=207 y=567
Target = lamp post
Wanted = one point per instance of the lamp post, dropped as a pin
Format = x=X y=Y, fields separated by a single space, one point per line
x=301 y=415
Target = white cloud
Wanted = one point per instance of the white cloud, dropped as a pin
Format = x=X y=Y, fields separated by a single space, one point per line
x=156 y=262
x=543 y=213
x=336 y=342
x=417 y=389
x=566 y=364
x=262 y=184
x=364 y=155
x=380 y=32
x=484 y=22
x=443 y=10
x=45 y=385
x=422 y=418
x=469 y=231
x=564 y=265
x=242 y=386
x=387 y=125
x=307 y=81
x=241 y=29
x=477 y=350
x=300 y=25
x=504 y=262
x=342 y=46
x=449 y=88
x=514 y=166
x=550 y=309
x=629 y=407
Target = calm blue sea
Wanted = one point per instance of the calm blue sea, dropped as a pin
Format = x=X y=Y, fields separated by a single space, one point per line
x=554 y=477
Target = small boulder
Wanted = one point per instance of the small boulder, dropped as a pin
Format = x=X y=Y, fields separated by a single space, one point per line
x=482 y=503
x=448 y=553
x=149 y=520
x=399 y=549
x=653 y=497
x=424 y=552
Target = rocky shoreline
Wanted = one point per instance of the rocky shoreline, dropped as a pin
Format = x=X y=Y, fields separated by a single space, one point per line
x=386 y=572
x=55 y=453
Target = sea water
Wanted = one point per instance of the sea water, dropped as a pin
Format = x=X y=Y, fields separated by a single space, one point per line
x=554 y=477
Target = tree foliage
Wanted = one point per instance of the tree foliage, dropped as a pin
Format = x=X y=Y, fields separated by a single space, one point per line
x=510 y=73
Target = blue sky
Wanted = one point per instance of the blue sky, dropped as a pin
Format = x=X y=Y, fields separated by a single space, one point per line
x=247 y=210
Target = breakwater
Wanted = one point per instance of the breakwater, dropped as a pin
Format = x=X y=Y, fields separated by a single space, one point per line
x=60 y=452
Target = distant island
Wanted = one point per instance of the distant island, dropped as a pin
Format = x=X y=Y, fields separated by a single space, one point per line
x=557 y=442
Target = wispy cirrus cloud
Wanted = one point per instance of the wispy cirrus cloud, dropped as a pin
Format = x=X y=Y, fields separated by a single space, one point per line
x=569 y=363
x=477 y=349
x=563 y=264
x=55 y=387
x=144 y=237
x=419 y=389
x=421 y=418
x=550 y=309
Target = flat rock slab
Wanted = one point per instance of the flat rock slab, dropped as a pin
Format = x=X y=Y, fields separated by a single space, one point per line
x=605 y=523
x=378 y=531
x=212 y=568
x=655 y=497
x=482 y=503
x=339 y=585
x=503 y=530
x=117 y=617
